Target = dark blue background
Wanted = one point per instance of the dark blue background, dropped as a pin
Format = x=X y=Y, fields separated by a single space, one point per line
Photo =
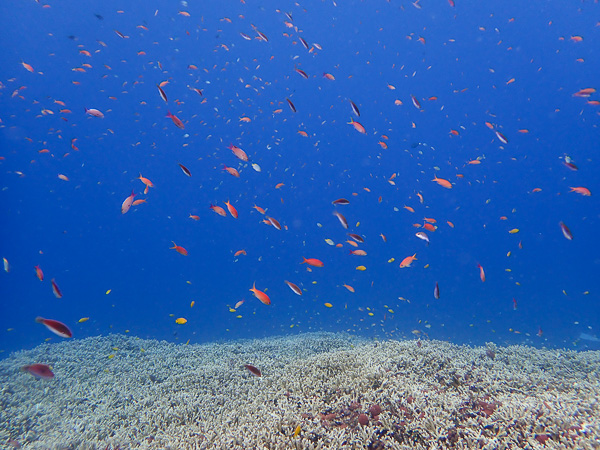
x=75 y=231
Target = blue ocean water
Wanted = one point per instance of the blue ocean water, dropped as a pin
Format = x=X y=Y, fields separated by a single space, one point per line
x=515 y=66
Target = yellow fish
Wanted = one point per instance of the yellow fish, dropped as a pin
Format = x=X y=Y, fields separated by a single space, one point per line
x=84 y=319
x=329 y=305
x=361 y=268
x=514 y=231
x=180 y=321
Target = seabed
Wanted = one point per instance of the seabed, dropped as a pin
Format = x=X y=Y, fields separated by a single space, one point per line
x=317 y=391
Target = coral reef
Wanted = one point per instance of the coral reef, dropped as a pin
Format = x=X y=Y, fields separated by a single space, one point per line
x=317 y=391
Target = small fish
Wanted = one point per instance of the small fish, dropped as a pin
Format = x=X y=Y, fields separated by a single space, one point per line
x=94 y=112
x=354 y=108
x=291 y=105
x=436 y=291
x=274 y=222
x=342 y=219
x=127 y=203
x=293 y=287
x=232 y=210
x=238 y=152
x=58 y=328
x=179 y=249
x=181 y=321
x=185 y=170
x=39 y=371
x=442 y=182
x=423 y=236
x=357 y=126
x=178 y=123
x=565 y=231
x=358 y=252
x=264 y=298
x=341 y=201
x=55 y=289
x=312 y=262
x=162 y=93
x=253 y=370
x=356 y=237
x=501 y=137
x=6 y=265
x=481 y=273
x=581 y=190
x=406 y=262
x=39 y=273
x=240 y=303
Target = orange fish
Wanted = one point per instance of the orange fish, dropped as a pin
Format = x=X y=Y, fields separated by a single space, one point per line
x=231 y=171
x=442 y=182
x=138 y=202
x=581 y=190
x=191 y=216
x=358 y=252
x=178 y=123
x=312 y=262
x=406 y=262
x=30 y=69
x=481 y=273
x=146 y=181
x=429 y=227
x=260 y=295
x=40 y=274
x=179 y=249
x=127 y=203
x=231 y=209
x=357 y=126
x=293 y=287
x=240 y=252
x=220 y=211
x=259 y=209
x=350 y=288
x=408 y=208
x=238 y=152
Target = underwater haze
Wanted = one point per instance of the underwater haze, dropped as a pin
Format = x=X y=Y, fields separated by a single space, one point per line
x=474 y=124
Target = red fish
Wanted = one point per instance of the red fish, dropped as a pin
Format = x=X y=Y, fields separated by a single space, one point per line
x=232 y=210
x=39 y=273
x=179 y=249
x=220 y=211
x=39 y=371
x=260 y=295
x=357 y=126
x=56 y=327
x=55 y=289
x=231 y=171
x=238 y=152
x=253 y=370
x=127 y=203
x=581 y=190
x=178 y=123
x=481 y=273
x=312 y=262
